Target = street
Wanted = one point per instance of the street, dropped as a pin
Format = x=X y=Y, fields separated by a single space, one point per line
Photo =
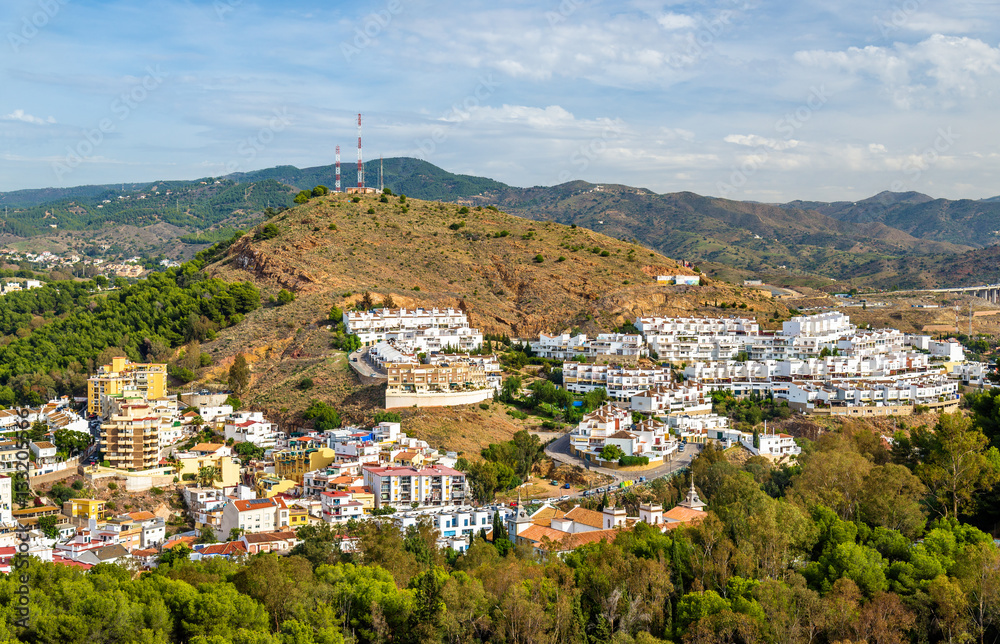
x=559 y=451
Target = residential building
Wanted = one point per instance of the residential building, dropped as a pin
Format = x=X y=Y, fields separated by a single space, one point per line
x=215 y=455
x=400 y=487
x=253 y=516
x=621 y=382
x=250 y=427
x=606 y=346
x=372 y=326
x=121 y=376
x=293 y=464
x=81 y=511
x=460 y=381
x=340 y=507
x=131 y=440
x=611 y=425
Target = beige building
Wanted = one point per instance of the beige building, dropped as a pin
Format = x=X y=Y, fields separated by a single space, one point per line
x=121 y=376
x=214 y=455
x=130 y=440
x=457 y=382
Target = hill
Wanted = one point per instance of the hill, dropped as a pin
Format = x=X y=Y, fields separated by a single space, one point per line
x=746 y=235
x=512 y=275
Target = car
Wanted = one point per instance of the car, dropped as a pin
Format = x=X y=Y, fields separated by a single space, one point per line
x=354 y=359
x=585 y=493
x=566 y=486
x=553 y=482
x=565 y=497
x=642 y=479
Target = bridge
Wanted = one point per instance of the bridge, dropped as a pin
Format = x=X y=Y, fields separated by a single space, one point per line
x=990 y=292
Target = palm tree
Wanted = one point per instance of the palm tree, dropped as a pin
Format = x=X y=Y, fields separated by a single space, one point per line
x=208 y=474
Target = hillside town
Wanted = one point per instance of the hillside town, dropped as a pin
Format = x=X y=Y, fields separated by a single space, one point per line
x=248 y=485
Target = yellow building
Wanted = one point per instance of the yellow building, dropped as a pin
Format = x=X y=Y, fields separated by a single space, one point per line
x=294 y=464
x=148 y=380
x=268 y=485
x=214 y=455
x=84 y=509
x=297 y=517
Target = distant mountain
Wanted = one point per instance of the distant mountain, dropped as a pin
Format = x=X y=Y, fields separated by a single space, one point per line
x=965 y=221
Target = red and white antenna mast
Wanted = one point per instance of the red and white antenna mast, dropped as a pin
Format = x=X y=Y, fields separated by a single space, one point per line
x=361 y=165
x=337 y=184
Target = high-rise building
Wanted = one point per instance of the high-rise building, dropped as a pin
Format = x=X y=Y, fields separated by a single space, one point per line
x=121 y=378
x=131 y=440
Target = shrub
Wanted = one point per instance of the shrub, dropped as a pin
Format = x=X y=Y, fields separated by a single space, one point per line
x=356 y=200
x=268 y=231
x=457 y=225
x=463 y=210
x=112 y=485
x=306 y=383
x=386 y=192
x=402 y=198
x=561 y=259
x=302 y=197
x=383 y=199
x=539 y=258
x=332 y=226
x=416 y=288
x=155 y=491
x=285 y=297
x=77 y=485
x=632 y=461
x=605 y=253
x=484 y=405
x=319 y=191
x=371 y=211
x=190 y=476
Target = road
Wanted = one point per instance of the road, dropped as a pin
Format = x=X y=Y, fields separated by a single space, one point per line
x=559 y=451
x=358 y=361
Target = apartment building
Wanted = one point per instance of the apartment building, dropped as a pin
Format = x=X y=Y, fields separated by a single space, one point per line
x=250 y=427
x=121 y=376
x=253 y=516
x=616 y=346
x=372 y=326
x=451 y=380
x=293 y=464
x=130 y=440
x=621 y=382
x=400 y=487
x=671 y=398
x=697 y=326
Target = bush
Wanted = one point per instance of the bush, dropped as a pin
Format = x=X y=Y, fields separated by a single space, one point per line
x=112 y=485
x=332 y=226
x=302 y=197
x=319 y=191
x=383 y=199
x=457 y=225
x=463 y=210
x=155 y=491
x=371 y=211
x=632 y=461
x=539 y=258
x=605 y=253
x=356 y=200
x=561 y=259
x=386 y=192
x=306 y=383
x=268 y=231
x=188 y=477
x=484 y=405
x=77 y=485
x=285 y=297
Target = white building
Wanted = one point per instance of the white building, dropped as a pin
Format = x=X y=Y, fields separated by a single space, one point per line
x=621 y=382
x=250 y=427
x=253 y=516
x=340 y=507
x=605 y=345
x=372 y=326
x=455 y=526
x=400 y=487
x=611 y=425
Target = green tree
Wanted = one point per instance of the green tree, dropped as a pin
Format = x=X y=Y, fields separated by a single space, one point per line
x=208 y=475
x=958 y=464
x=48 y=526
x=611 y=452
x=285 y=297
x=239 y=375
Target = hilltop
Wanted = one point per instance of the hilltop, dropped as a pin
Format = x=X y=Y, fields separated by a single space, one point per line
x=513 y=276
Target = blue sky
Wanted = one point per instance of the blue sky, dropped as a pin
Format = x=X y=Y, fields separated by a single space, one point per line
x=769 y=101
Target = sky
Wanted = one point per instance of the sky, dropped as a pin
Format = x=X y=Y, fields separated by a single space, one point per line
x=767 y=101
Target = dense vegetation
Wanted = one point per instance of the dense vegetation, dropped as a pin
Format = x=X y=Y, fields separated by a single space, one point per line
x=851 y=545
x=55 y=336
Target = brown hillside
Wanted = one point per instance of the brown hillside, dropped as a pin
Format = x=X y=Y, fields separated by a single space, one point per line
x=429 y=254
x=491 y=275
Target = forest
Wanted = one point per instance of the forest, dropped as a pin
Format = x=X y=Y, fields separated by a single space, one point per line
x=860 y=541
x=52 y=338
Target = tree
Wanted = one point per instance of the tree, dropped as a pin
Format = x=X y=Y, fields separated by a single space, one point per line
x=893 y=499
x=611 y=452
x=235 y=534
x=958 y=465
x=325 y=416
x=208 y=475
x=978 y=572
x=285 y=297
x=510 y=389
x=71 y=442
x=239 y=375
x=48 y=526
x=206 y=535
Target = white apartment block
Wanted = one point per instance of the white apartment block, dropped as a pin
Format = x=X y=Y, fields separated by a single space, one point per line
x=250 y=427
x=455 y=526
x=611 y=425
x=400 y=487
x=340 y=507
x=672 y=398
x=435 y=339
x=384 y=353
x=372 y=326
x=621 y=382
x=697 y=326
x=869 y=343
x=253 y=516
x=773 y=445
x=690 y=348
x=605 y=345
x=931 y=391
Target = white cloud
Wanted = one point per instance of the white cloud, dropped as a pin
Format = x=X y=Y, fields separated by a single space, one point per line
x=21 y=115
x=673 y=21
x=931 y=23
x=755 y=140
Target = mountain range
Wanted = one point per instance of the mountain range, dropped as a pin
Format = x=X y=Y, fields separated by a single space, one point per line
x=890 y=240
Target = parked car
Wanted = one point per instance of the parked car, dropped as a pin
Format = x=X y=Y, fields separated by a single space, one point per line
x=642 y=479
x=553 y=482
x=564 y=498
x=566 y=486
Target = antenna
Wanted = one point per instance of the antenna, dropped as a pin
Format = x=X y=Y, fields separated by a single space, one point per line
x=336 y=186
x=361 y=166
